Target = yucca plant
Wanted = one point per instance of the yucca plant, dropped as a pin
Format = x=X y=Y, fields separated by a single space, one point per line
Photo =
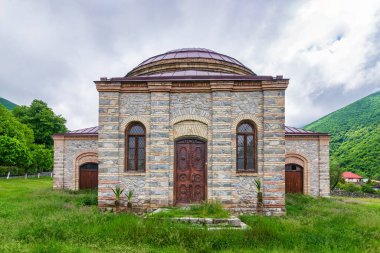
x=117 y=191
x=129 y=198
x=258 y=184
x=259 y=195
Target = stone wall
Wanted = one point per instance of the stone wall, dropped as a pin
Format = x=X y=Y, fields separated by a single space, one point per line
x=340 y=193
x=67 y=151
x=313 y=152
x=211 y=114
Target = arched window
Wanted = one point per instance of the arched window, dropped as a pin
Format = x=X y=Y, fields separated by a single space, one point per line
x=246 y=148
x=135 y=147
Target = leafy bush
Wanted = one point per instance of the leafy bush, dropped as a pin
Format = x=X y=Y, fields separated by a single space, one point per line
x=367 y=189
x=90 y=200
x=340 y=185
x=351 y=187
x=14 y=170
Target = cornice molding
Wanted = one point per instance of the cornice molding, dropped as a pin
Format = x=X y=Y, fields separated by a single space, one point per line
x=190 y=86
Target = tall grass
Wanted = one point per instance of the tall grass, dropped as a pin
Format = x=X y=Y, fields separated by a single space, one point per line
x=34 y=218
x=211 y=209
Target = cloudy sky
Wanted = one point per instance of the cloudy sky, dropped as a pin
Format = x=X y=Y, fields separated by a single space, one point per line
x=54 y=50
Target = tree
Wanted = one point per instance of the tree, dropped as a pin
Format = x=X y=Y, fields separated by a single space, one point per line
x=39 y=117
x=335 y=174
x=13 y=152
x=11 y=127
x=41 y=157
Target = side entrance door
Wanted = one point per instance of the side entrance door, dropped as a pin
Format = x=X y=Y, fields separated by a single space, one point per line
x=88 y=176
x=293 y=178
x=190 y=171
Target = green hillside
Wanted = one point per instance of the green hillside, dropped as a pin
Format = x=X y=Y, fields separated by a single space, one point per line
x=8 y=104
x=355 y=135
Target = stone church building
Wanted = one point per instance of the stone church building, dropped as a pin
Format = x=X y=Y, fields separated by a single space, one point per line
x=193 y=125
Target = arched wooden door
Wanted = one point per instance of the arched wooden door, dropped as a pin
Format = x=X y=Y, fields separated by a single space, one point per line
x=190 y=171
x=88 y=176
x=293 y=178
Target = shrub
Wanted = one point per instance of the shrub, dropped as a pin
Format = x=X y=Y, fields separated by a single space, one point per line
x=340 y=185
x=367 y=189
x=351 y=187
x=90 y=200
x=14 y=170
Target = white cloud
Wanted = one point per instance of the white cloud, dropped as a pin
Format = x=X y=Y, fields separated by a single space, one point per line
x=53 y=50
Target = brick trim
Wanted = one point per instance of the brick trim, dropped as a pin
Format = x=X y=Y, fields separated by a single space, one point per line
x=301 y=160
x=190 y=117
x=81 y=158
x=249 y=117
x=145 y=120
x=190 y=128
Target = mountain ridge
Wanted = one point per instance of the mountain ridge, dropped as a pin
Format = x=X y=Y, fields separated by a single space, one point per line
x=8 y=104
x=355 y=135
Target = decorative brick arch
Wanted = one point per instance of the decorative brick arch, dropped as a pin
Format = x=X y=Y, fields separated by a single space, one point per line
x=89 y=156
x=301 y=160
x=191 y=117
x=247 y=117
x=143 y=120
x=190 y=128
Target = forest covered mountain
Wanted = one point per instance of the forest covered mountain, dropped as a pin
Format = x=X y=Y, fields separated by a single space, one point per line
x=8 y=104
x=355 y=136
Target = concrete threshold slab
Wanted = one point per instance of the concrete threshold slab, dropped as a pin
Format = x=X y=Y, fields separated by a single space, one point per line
x=211 y=223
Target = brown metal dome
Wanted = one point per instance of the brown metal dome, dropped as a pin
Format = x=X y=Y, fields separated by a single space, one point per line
x=190 y=62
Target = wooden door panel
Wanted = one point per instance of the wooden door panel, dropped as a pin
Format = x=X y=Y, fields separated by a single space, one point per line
x=88 y=176
x=190 y=171
x=293 y=182
x=197 y=172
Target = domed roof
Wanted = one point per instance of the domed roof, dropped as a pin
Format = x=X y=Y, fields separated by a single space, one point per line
x=190 y=62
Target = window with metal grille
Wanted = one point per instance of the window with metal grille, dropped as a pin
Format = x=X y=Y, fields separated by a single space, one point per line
x=246 y=147
x=135 y=148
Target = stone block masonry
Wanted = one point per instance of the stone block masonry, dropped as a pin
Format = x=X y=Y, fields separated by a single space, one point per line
x=160 y=162
x=108 y=146
x=274 y=152
x=221 y=183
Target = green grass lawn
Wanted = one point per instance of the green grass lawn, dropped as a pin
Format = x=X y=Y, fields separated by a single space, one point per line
x=34 y=218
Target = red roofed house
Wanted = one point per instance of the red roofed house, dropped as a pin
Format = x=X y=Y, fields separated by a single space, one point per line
x=193 y=125
x=352 y=177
